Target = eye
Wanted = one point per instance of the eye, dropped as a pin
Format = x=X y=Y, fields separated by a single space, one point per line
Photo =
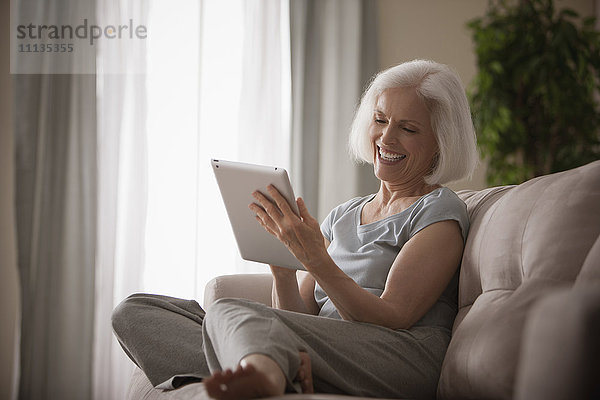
x=379 y=120
x=409 y=130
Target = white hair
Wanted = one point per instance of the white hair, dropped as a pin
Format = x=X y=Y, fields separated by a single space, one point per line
x=449 y=113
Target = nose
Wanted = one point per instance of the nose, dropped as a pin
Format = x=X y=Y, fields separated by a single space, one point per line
x=389 y=136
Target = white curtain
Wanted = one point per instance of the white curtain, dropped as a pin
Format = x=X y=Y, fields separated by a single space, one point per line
x=222 y=96
x=264 y=121
x=216 y=85
x=122 y=188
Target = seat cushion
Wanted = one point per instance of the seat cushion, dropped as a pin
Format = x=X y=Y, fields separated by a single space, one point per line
x=525 y=242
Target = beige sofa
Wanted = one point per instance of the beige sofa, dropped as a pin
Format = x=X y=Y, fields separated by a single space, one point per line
x=528 y=325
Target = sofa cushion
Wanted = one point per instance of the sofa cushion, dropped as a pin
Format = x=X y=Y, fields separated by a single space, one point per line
x=525 y=242
x=590 y=273
x=560 y=351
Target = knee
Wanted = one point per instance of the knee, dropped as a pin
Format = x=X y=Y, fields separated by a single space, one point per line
x=224 y=303
x=227 y=310
x=125 y=315
x=226 y=306
x=221 y=308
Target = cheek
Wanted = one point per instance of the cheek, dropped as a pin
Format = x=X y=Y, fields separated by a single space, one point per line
x=373 y=136
x=372 y=132
x=424 y=150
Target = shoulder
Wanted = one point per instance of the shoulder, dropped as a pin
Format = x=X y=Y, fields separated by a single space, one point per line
x=439 y=205
x=442 y=198
x=338 y=212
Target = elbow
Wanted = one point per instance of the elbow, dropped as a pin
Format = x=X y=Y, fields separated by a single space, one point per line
x=396 y=319
x=383 y=313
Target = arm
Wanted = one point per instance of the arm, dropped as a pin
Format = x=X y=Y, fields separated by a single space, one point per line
x=419 y=275
x=293 y=293
x=292 y=290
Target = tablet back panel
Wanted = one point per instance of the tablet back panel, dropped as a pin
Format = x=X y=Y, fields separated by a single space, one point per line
x=237 y=181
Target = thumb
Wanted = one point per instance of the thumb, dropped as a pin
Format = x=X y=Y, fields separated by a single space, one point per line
x=304 y=212
x=302 y=207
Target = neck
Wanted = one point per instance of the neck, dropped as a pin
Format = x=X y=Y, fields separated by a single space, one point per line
x=389 y=192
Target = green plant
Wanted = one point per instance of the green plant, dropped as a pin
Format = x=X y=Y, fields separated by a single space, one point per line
x=534 y=98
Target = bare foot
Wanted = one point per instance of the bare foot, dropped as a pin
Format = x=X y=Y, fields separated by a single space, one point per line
x=243 y=383
x=304 y=375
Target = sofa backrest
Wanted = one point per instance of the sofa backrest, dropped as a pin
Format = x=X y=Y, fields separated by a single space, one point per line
x=525 y=241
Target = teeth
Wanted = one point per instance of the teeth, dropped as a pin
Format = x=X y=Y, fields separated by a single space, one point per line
x=391 y=156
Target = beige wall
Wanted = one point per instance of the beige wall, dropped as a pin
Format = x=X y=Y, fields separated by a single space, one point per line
x=8 y=270
x=435 y=29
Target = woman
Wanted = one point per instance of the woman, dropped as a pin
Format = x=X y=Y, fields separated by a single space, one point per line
x=372 y=316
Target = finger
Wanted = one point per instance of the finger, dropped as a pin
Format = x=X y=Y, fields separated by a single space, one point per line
x=264 y=219
x=285 y=233
x=270 y=226
x=281 y=202
x=270 y=208
x=267 y=228
x=264 y=225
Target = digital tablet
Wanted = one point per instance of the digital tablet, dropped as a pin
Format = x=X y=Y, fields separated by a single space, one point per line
x=237 y=181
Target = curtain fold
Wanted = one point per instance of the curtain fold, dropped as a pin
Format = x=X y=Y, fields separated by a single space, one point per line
x=121 y=223
x=264 y=135
x=333 y=54
x=55 y=134
x=55 y=189
x=122 y=190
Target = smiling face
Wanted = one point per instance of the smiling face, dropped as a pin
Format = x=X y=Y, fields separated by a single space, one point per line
x=404 y=145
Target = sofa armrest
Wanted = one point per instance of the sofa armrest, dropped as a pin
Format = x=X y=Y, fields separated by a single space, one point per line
x=256 y=287
x=560 y=351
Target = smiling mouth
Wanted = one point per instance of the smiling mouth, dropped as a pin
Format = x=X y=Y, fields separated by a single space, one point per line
x=390 y=156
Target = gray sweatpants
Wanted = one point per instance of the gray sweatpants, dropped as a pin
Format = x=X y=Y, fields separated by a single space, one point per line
x=174 y=340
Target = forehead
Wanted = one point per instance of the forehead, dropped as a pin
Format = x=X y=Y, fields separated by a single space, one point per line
x=402 y=103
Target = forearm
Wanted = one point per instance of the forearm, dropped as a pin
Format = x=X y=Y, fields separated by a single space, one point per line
x=355 y=303
x=286 y=295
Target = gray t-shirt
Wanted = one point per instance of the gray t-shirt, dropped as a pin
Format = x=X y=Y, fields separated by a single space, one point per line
x=366 y=252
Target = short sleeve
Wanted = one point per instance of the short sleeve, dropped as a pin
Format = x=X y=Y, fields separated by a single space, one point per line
x=336 y=214
x=442 y=205
x=326 y=226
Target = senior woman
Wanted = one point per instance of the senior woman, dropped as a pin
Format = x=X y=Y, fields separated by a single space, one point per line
x=372 y=315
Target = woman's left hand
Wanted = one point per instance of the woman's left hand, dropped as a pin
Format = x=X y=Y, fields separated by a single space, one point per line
x=301 y=234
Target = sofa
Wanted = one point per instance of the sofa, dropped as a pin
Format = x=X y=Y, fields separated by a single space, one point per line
x=528 y=323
